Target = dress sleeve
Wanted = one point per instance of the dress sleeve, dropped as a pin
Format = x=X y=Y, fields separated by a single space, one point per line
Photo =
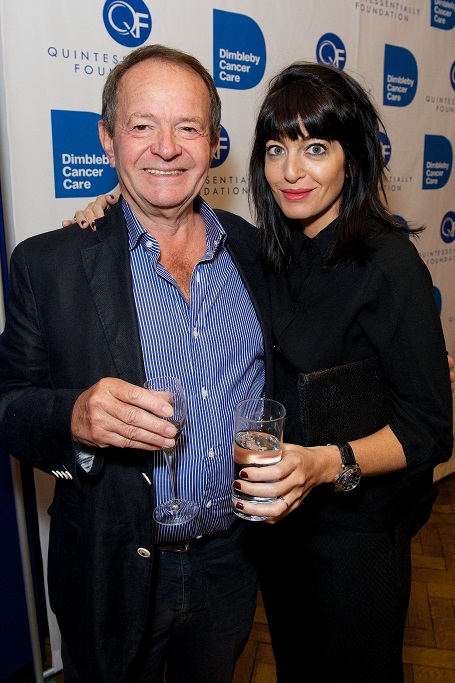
x=402 y=322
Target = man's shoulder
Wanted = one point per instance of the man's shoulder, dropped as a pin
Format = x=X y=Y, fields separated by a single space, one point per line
x=235 y=225
x=51 y=239
x=72 y=234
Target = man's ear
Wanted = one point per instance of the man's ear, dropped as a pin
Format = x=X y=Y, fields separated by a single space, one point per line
x=214 y=142
x=107 y=143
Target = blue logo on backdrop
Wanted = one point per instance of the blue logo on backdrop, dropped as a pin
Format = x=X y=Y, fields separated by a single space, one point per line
x=438 y=298
x=222 y=150
x=81 y=169
x=443 y=14
x=386 y=147
x=448 y=227
x=331 y=50
x=128 y=23
x=239 y=54
x=452 y=75
x=400 y=76
x=437 y=162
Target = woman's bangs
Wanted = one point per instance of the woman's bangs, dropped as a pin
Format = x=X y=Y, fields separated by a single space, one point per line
x=294 y=107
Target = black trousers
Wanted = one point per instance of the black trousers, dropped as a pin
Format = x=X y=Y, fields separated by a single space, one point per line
x=202 y=610
x=336 y=600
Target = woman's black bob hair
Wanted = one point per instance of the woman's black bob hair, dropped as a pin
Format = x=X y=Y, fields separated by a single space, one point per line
x=331 y=105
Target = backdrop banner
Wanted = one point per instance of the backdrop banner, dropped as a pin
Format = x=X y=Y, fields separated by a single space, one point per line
x=56 y=56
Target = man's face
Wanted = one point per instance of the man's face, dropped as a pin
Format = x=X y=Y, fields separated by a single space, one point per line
x=161 y=145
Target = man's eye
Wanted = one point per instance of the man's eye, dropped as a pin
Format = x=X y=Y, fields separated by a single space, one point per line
x=188 y=132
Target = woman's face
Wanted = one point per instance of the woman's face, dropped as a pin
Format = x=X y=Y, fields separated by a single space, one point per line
x=306 y=177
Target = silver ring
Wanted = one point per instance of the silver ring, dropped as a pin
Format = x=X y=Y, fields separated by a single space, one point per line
x=284 y=501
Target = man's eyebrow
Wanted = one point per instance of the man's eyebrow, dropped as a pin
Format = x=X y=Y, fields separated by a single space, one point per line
x=150 y=115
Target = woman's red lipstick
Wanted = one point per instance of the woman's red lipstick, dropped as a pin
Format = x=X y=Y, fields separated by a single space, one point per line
x=295 y=195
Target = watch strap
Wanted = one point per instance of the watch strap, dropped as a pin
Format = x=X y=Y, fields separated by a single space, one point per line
x=347 y=454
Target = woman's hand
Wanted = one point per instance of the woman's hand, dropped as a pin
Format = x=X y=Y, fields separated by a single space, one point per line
x=301 y=469
x=86 y=217
x=452 y=373
x=289 y=481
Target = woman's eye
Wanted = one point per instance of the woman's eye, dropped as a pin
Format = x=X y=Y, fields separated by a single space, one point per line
x=274 y=150
x=317 y=149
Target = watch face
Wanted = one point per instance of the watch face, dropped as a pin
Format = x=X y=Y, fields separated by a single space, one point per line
x=348 y=479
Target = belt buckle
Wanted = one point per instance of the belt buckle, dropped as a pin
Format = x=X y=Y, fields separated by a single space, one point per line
x=177 y=547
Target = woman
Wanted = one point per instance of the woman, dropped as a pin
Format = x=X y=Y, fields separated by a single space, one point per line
x=346 y=284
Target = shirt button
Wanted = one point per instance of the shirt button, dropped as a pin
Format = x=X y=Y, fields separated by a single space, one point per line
x=195 y=333
x=204 y=393
x=149 y=244
x=143 y=552
x=209 y=504
x=211 y=453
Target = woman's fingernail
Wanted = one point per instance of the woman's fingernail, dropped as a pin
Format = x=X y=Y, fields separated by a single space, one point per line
x=239 y=506
x=83 y=222
x=237 y=485
x=93 y=226
x=243 y=474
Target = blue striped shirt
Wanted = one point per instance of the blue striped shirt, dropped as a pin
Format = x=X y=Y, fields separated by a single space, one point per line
x=214 y=346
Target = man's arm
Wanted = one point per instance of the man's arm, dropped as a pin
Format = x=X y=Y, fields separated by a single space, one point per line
x=40 y=421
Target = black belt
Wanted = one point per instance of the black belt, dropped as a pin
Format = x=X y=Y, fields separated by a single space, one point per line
x=186 y=545
x=177 y=546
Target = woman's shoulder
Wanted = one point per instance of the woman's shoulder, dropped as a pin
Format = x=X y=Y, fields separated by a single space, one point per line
x=394 y=247
x=396 y=257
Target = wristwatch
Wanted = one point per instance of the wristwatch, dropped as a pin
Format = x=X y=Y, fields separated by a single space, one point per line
x=350 y=474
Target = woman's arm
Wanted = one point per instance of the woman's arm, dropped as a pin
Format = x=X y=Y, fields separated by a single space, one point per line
x=402 y=323
x=87 y=217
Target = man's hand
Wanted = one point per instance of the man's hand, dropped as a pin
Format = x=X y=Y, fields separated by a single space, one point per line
x=86 y=217
x=115 y=413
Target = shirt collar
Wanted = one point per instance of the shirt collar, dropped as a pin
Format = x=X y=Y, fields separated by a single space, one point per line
x=323 y=241
x=215 y=234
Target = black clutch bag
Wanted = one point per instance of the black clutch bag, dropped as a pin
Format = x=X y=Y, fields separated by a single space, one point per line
x=343 y=403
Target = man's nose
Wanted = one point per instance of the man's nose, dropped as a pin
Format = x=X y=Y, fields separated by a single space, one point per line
x=166 y=144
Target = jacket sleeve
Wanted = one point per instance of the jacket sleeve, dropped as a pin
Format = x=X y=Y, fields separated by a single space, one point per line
x=35 y=418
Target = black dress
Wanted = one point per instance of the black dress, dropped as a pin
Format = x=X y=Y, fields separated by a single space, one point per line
x=335 y=574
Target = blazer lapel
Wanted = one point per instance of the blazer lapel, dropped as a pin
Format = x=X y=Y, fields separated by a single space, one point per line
x=107 y=267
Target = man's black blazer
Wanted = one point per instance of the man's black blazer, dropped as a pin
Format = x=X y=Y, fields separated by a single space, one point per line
x=71 y=321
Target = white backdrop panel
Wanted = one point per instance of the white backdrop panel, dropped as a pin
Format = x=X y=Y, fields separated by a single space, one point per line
x=55 y=57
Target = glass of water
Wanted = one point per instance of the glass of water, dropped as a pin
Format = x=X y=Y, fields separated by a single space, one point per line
x=258 y=441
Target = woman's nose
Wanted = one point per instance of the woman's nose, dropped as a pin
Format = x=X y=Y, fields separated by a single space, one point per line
x=294 y=168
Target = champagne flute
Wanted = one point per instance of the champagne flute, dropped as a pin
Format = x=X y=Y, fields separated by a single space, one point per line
x=176 y=510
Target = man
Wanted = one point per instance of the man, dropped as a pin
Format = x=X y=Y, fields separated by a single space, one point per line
x=159 y=288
